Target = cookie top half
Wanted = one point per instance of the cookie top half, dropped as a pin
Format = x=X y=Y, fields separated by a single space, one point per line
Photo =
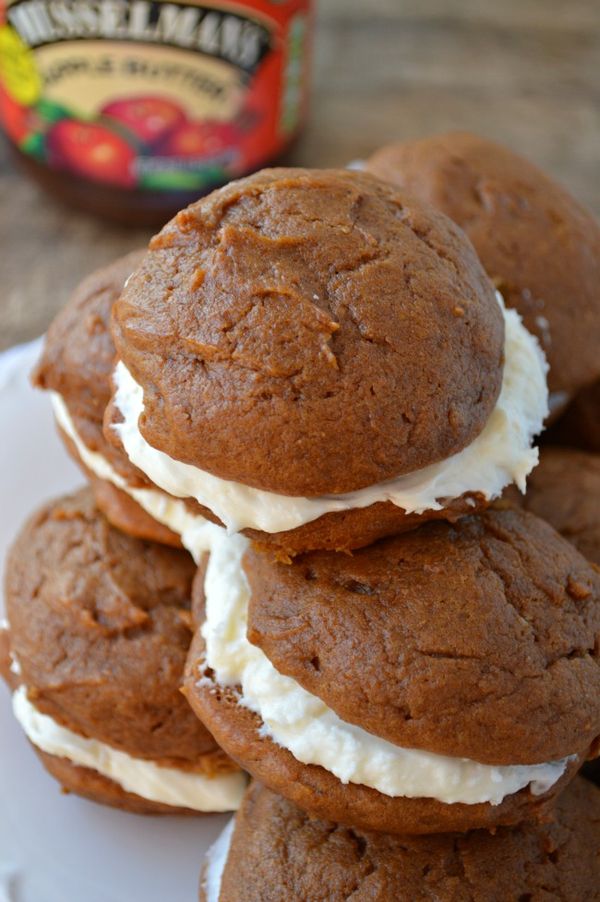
x=537 y=243
x=311 y=332
x=79 y=356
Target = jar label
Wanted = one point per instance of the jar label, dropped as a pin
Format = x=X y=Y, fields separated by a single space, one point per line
x=153 y=94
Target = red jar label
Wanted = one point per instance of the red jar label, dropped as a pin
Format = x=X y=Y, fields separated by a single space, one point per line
x=152 y=94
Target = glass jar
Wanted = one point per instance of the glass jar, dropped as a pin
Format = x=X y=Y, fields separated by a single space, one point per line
x=133 y=108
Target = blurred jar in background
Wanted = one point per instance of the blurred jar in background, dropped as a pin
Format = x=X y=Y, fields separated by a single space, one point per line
x=131 y=109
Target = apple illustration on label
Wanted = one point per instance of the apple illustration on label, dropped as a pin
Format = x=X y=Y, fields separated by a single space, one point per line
x=200 y=139
x=148 y=118
x=91 y=150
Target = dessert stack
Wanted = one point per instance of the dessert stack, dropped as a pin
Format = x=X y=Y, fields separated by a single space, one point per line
x=310 y=383
x=98 y=619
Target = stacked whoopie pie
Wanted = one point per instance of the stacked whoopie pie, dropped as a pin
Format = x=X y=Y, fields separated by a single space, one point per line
x=99 y=618
x=316 y=375
x=319 y=393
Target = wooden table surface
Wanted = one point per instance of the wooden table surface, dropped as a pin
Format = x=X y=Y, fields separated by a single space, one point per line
x=525 y=72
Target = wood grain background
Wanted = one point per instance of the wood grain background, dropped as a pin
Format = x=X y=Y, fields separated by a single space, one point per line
x=524 y=72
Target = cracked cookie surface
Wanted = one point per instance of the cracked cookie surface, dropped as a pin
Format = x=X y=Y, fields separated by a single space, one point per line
x=311 y=332
x=100 y=626
x=79 y=356
x=475 y=640
x=540 y=247
x=280 y=854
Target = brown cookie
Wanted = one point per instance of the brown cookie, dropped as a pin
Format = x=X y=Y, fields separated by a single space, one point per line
x=79 y=356
x=99 y=630
x=536 y=242
x=564 y=489
x=347 y=530
x=89 y=784
x=83 y=781
x=472 y=640
x=278 y=853
x=341 y=531
x=475 y=641
x=77 y=363
x=122 y=511
x=319 y=792
x=293 y=301
x=119 y=508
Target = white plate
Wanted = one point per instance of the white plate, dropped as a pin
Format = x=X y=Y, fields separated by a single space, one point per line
x=57 y=848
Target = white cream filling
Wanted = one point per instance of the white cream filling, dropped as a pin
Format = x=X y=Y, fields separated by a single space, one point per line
x=216 y=858
x=501 y=454
x=169 y=785
x=195 y=531
x=302 y=723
